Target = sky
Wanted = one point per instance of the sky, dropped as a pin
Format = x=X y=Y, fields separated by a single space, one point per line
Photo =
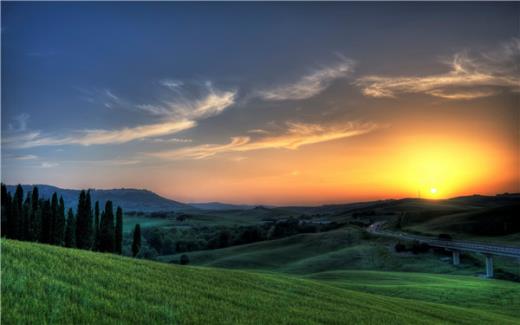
x=263 y=103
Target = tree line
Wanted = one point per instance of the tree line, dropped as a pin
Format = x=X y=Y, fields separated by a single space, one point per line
x=44 y=220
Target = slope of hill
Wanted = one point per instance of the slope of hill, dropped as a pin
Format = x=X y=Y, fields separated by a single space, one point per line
x=46 y=284
x=129 y=199
x=347 y=248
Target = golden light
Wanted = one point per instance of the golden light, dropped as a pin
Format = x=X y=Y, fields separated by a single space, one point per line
x=433 y=190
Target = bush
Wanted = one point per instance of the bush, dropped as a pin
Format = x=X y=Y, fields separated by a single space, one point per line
x=184 y=260
x=399 y=248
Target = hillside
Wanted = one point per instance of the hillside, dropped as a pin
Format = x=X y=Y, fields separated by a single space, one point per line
x=129 y=199
x=45 y=284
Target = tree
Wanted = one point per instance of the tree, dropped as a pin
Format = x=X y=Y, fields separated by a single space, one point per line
x=136 y=243
x=53 y=233
x=89 y=232
x=59 y=226
x=26 y=218
x=46 y=215
x=35 y=226
x=6 y=211
x=16 y=219
x=96 y=226
x=184 y=260
x=119 y=231
x=106 y=231
x=82 y=222
x=70 y=230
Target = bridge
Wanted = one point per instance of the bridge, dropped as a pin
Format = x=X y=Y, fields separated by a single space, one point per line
x=455 y=246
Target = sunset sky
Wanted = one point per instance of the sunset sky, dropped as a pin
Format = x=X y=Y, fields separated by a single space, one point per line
x=263 y=103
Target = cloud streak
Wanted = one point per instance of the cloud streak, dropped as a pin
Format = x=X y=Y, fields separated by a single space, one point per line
x=469 y=77
x=311 y=84
x=176 y=118
x=296 y=136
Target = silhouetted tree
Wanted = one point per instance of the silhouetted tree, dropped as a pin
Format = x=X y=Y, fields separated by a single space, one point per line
x=35 y=226
x=70 y=230
x=184 y=260
x=96 y=226
x=119 y=231
x=89 y=233
x=136 y=243
x=17 y=213
x=106 y=231
x=6 y=211
x=54 y=220
x=82 y=222
x=59 y=226
x=46 y=215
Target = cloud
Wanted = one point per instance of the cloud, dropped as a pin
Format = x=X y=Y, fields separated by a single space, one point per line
x=469 y=77
x=296 y=136
x=48 y=165
x=92 y=137
x=182 y=105
x=171 y=140
x=21 y=122
x=26 y=157
x=176 y=117
x=311 y=84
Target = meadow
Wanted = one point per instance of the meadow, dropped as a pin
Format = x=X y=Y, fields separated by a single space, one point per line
x=48 y=284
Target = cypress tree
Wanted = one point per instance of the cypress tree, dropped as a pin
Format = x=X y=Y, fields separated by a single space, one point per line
x=54 y=219
x=26 y=218
x=6 y=211
x=46 y=215
x=106 y=238
x=70 y=230
x=35 y=227
x=136 y=243
x=88 y=209
x=81 y=222
x=16 y=219
x=96 y=226
x=59 y=229
x=119 y=231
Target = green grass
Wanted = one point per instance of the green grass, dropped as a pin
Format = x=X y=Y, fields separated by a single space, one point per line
x=342 y=249
x=473 y=292
x=45 y=284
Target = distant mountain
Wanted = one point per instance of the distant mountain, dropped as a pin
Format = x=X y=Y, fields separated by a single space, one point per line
x=128 y=198
x=220 y=206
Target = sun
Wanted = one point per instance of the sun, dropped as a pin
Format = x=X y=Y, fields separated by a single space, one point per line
x=433 y=190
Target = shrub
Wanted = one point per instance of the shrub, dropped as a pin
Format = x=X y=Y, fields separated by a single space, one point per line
x=184 y=260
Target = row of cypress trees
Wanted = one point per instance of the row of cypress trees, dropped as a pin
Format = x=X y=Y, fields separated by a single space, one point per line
x=39 y=220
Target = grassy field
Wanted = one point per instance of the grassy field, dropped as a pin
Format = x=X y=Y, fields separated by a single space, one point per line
x=346 y=248
x=46 y=284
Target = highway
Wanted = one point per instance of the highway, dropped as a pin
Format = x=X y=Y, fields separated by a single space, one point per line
x=458 y=245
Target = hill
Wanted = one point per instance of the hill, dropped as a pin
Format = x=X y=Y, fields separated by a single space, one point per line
x=46 y=284
x=128 y=198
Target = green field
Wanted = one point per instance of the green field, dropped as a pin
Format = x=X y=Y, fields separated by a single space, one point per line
x=47 y=284
x=347 y=248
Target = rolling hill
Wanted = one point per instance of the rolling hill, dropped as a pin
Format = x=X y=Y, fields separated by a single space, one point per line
x=129 y=199
x=46 y=284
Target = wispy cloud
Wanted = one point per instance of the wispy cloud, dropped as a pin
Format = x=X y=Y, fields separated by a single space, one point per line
x=92 y=137
x=182 y=105
x=20 y=122
x=176 y=117
x=469 y=77
x=296 y=136
x=311 y=84
x=46 y=164
x=26 y=157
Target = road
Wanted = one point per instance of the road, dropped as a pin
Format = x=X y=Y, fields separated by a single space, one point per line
x=468 y=246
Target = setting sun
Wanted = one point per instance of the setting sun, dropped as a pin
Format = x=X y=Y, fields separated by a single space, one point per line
x=433 y=190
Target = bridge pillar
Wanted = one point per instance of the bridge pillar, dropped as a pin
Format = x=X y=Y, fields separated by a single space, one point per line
x=489 y=266
x=456 y=257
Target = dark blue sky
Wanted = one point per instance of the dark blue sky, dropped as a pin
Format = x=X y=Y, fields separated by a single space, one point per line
x=93 y=85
